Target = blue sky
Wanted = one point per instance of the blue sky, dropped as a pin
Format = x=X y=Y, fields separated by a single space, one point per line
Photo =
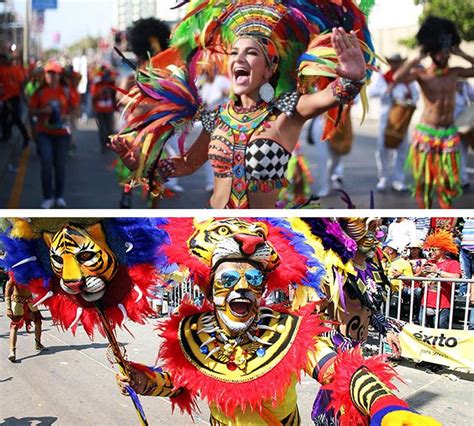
x=75 y=19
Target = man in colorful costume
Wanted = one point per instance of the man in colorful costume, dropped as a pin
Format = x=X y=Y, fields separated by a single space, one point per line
x=89 y=271
x=21 y=311
x=354 y=289
x=242 y=356
x=435 y=153
x=308 y=72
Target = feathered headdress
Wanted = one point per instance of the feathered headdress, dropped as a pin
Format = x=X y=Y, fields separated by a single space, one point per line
x=443 y=240
x=292 y=33
x=192 y=244
x=134 y=242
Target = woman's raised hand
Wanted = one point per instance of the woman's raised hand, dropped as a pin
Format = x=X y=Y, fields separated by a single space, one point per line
x=124 y=146
x=351 y=60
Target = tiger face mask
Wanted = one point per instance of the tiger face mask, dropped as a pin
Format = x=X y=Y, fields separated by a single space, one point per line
x=82 y=260
x=236 y=292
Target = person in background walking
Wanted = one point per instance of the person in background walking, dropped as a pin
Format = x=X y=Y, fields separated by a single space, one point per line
x=12 y=79
x=104 y=104
x=391 y=160
x=20 y=310
x=52 y=105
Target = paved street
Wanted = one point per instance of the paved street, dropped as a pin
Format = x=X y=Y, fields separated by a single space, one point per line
x=73 y=383
x=91 y=182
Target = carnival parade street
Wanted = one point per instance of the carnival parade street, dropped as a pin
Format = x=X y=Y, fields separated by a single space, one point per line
x=91 y=181
x=72 y=382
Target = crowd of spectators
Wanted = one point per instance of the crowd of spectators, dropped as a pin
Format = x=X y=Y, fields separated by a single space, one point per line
x=430 y=248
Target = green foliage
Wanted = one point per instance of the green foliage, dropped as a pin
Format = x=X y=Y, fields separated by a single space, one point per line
x=459 y=11
x=85 y=43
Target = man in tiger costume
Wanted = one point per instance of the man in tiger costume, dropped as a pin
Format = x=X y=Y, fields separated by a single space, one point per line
x=245 y=358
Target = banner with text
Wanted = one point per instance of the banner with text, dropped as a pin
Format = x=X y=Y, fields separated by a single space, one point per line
x=453 y=348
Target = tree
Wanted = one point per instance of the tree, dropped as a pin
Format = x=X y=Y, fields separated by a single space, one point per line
x=459 y=11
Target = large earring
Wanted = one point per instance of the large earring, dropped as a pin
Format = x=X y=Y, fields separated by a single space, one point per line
x=266 y=92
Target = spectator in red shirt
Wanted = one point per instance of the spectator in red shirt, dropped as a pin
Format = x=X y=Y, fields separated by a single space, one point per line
x=12 y=78
x=104 y=104
x=52 y=104
x=439 y=266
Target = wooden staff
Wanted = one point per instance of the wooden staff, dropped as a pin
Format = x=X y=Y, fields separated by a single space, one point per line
x=113 y=344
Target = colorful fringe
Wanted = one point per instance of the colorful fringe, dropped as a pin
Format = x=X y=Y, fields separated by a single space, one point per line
x=300 y=179
x=435 y=162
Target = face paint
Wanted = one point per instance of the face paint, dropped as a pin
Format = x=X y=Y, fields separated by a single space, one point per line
x=237 y=291
x=82 y=260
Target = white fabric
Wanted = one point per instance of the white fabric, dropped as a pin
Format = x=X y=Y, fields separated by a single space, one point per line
x=464 y=97
x=391 y=162
x=327 y=162
x=402 y=234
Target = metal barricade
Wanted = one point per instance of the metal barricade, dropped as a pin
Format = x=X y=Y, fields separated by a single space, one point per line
x=180 y=290
x=425 y=283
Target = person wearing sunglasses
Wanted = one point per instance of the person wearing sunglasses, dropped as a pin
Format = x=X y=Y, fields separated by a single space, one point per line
x=242 y=356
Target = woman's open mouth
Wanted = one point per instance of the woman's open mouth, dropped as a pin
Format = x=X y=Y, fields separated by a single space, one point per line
x=240 y=307
x=241 y=76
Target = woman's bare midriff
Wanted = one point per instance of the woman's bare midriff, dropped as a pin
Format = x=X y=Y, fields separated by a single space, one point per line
x=257 y=200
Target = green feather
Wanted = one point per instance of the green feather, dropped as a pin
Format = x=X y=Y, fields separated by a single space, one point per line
x=366 y=6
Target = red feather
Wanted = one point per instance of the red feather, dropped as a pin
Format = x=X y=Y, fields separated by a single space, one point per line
x=272 y=386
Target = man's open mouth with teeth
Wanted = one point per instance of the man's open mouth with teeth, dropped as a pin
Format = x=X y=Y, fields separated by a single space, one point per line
x=241 y=307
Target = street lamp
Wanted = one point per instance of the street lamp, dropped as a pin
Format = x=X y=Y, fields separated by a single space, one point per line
x=26 y=33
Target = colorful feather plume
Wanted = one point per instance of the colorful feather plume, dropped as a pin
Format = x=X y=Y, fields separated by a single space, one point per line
x=299 y=264
x=165 y=98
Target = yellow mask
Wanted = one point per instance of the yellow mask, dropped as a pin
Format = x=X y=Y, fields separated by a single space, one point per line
x=82 y=259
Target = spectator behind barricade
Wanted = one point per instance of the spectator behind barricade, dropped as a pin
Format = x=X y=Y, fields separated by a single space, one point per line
x=417 y=261
x=439 y=266
x=104 y=104
x=396 y=266
x=422 y=226
x=402 y=232
x=51 y=104
x=442 y=223
x=467 y=263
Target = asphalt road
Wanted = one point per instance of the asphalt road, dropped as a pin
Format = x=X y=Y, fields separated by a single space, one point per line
x=91 y=181
x=73 y=383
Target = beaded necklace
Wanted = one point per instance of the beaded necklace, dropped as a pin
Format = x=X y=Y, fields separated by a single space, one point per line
x=240 y=124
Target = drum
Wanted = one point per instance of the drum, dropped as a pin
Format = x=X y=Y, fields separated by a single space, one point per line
x=465 y=125
x=399 y=118
x=341 y=142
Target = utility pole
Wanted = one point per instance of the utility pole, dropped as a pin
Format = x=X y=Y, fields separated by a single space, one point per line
x=26 y=33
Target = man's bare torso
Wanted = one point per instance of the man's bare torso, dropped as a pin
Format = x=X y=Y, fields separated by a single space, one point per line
x=439 y=94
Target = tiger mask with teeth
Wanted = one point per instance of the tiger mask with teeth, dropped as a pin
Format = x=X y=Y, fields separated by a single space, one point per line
x=215 y=240
x=82 y=260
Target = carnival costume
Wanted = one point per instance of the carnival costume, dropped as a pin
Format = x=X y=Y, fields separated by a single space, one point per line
x=293 y=35
x=249 y=377
x=353 y=299
x=96 y=272
x=435 y=155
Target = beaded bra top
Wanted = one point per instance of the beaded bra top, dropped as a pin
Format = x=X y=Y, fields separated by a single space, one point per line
x=257 y=164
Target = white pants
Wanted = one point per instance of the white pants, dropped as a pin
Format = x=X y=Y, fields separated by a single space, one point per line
x=390 y=162
x=328 y=163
